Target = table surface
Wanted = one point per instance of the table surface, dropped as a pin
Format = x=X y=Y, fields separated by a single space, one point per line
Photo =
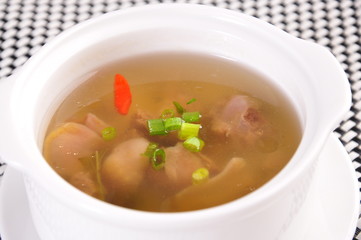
x=25 y=25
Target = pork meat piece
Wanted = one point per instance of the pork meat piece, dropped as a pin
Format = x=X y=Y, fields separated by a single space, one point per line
x=180 y=164
x=124 y=169
x=67 y=144
x=95 y=124
x=85 y=182
x=239 y=120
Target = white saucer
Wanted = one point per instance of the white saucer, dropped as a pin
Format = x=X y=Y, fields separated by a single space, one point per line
x=330 y=212
x=332 y=207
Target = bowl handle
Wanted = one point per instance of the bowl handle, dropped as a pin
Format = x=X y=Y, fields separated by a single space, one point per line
x=331 y=83
x=8 y=148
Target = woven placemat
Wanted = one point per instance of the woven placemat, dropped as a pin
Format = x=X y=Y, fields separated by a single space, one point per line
x=26 y=25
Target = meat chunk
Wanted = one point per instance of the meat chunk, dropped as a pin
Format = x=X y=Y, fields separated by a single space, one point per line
x=240 y=120
x=124 y=169
x=238 y=115
x=230 y=184
x=94 y=123
x=180 y=165
x=140 y=118
x=67 y=144
x=85 y=182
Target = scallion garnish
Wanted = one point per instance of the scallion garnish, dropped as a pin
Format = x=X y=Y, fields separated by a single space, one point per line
x=158 y=159
x=109 y=133
x=187 y=126
x=168 y=113
x=194 y=144
x=191 y=101
x=179 y=107
x=200 y=176
x=188 y=130
x=156 y=127
x=150 y=149
x=191 y=116
x=172 y=124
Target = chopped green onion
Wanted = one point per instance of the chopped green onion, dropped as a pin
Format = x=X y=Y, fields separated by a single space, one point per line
x=150 y=149
x=191 y=116
x=172 y=124
x=188 y=130
x=109 y=133
x=179 y=108
x=191 y=101
x=168 y=113
x=158 y=159
x=194 y=144
x=200 y=176
x=156 y=127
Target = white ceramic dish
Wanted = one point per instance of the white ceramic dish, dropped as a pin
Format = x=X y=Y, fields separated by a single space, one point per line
x=307 y=73
x=330 y=211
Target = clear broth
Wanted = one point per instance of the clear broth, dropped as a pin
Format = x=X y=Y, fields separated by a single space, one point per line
x=156 y=80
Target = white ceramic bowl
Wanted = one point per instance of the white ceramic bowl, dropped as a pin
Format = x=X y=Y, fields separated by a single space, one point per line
x=306 y=72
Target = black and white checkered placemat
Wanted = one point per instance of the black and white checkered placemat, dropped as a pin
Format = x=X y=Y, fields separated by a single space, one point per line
x=25 y=25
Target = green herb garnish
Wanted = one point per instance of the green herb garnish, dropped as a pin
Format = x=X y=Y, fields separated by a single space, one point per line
x=168 y=113
x=156 y=127
x=150 y=149
x=172 y=124
x=109 y=133
x=200 y=175
x=178 y=107
x=191 y=101
x=194 y=144
x=188 y=130
x=191 y=116
x=158 y=159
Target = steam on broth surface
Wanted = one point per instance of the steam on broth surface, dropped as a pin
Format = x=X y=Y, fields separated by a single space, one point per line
x=248 y=128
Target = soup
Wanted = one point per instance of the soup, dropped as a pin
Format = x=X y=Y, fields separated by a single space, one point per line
x=172 y=132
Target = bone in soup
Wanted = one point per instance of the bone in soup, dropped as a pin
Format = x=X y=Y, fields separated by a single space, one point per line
x=172 y=132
